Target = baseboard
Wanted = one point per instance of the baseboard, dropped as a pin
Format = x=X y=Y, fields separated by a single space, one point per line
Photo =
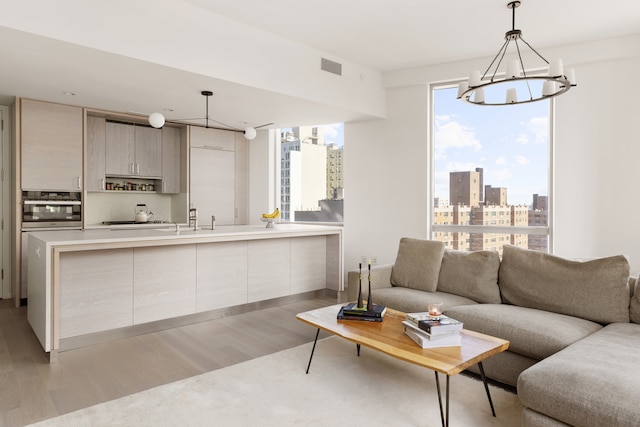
x=129 y=331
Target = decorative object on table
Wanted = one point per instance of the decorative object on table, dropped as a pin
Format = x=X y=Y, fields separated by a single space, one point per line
x=360 y=304
x=435 y=309
x=554 y=83
x=369 y=298
x=271 y=218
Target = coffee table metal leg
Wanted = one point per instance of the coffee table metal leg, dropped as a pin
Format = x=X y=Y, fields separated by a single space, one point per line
x=313 y=349
x=443 y=416
x=486 y=387
x=358 y=349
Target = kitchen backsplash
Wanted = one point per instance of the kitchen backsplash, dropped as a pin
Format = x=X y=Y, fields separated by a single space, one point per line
x=99 y=207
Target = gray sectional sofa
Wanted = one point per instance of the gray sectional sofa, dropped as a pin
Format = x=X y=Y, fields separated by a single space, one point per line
x=573 y=326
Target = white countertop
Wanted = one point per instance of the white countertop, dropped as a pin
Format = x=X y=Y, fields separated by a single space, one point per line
x=222 y=233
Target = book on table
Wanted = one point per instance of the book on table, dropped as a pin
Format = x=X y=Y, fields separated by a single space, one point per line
x=352 y=312
x=434 y=326
x=352 y=309
x=425 y=340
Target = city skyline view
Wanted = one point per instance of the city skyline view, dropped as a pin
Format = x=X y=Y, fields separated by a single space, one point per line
x=511 y=144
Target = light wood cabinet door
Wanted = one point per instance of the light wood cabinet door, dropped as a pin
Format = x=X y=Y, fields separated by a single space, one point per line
x=96 y=151
x=212 y=185
x=148 y=152
x=222 y=275
x=96 y=291
x=120 y=149
x=171 y=160
x=269 y=269
x=51 y=145
x=308 y=264
x=242 y=180
x=213 y=139
x=164 y=282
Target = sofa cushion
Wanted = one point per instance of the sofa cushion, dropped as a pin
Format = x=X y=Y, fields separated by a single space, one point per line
x=533 y=333
x=596 y=290
x=471 y=274
x=634 y=306
x=412 y=300
x=418 y=264
x=594 y=382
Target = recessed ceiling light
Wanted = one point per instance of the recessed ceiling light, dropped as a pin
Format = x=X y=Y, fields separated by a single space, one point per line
x=69 y=93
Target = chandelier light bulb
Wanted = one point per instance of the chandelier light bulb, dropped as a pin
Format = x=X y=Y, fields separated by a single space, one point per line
x=513 y=69
x=512 y=96
x=555 y=68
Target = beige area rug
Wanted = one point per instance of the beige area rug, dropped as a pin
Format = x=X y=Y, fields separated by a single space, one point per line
x=340 y=389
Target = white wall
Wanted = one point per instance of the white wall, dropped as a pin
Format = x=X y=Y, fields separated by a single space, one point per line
x=597 y=147
x=385 y=178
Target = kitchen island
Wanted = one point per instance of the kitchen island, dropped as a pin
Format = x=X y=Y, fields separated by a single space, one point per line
x=95 y=281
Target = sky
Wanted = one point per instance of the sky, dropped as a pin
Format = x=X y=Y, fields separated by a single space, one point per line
x=509 y=142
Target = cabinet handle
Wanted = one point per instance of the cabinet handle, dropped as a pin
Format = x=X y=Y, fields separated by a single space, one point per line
x=137 y=168
x=211 y=147
x=102 y=187
x=132 y=168
x=79 y=183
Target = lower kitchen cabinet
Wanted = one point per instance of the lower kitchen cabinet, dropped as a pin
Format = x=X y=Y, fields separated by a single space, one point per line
x=222 y=275
x=269 y=269
x=308 y=264
x=164 y=282
x=96 y=291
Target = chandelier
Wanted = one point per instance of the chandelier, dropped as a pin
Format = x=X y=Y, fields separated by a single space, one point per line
x=538 y=87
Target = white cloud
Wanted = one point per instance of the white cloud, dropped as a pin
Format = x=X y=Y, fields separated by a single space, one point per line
x=522 y=138
x=501 y=161
x=521 y=160
x=460 y=167
x=500 y=175
x=450 y=134
x=539 y=127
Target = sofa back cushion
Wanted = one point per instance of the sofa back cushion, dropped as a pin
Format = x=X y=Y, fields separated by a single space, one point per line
x=596 y=290
x=473 y=275
x=634 y=306
x=418 y=264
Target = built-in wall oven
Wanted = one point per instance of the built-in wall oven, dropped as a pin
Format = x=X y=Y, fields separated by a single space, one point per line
x=51 y=209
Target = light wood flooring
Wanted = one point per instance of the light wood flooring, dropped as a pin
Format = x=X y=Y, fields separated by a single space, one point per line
x=32 y=389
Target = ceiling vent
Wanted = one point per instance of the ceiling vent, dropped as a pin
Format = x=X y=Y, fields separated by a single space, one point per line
x=331 y=66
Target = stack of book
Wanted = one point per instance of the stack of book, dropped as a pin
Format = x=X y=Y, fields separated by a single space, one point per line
x=351 y=311
x=431 y=333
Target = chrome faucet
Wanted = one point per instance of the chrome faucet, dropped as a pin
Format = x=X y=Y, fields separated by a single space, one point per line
x=177 y=226
x=193 y=218
x=213 y=222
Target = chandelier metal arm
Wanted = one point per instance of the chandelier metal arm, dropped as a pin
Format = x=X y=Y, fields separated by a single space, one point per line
x=502 y=51
x=524 y=71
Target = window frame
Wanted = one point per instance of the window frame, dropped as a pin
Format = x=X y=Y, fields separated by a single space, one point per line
x=486 y=229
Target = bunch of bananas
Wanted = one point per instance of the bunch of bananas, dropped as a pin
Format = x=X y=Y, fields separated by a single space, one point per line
x=274 y=214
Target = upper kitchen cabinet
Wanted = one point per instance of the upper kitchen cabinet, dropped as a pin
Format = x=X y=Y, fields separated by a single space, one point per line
x=133 y=151
x=96 y=142
x=171 y=160
x=51 y=146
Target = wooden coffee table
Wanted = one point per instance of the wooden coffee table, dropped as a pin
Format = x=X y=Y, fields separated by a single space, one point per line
x=388 y=337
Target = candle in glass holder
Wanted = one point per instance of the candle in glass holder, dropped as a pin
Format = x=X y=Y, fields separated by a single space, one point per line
x=435 y=310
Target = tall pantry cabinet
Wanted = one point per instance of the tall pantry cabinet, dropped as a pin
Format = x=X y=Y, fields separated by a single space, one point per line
x=218 y=171
x=51 y=146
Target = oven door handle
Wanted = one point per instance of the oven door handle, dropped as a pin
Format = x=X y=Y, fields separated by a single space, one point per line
x=52 y=202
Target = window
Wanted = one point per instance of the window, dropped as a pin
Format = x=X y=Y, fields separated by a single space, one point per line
x=491 y=162
x=312 y=177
